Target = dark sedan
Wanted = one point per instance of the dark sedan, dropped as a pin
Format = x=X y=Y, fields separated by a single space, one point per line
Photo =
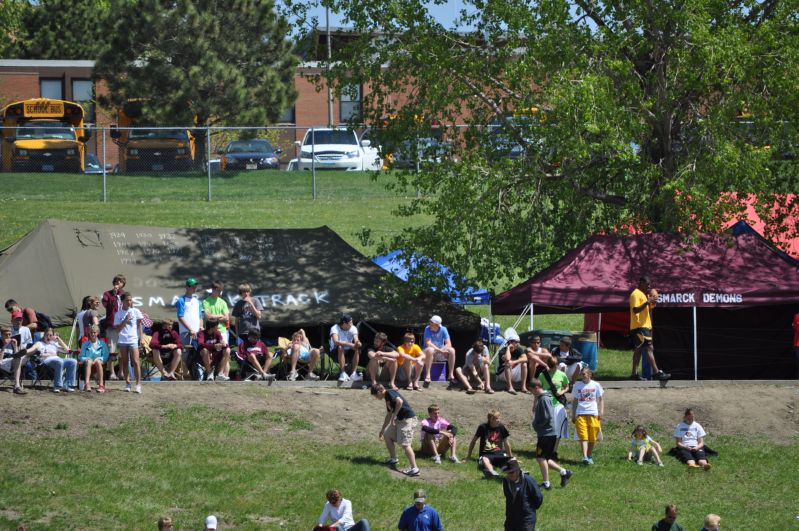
x=250 y=155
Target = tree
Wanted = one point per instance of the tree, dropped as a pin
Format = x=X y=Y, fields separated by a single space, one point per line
x=63 y=29
x=11 y=12
x=626 y=115
x=209 y=62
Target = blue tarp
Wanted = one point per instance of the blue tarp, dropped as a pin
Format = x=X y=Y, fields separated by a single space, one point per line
x=394 y=263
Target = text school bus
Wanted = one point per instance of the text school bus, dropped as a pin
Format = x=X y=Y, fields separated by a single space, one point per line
x=43 y=135
x=156 y=149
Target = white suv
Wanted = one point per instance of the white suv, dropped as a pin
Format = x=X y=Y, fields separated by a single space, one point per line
x=336 y=149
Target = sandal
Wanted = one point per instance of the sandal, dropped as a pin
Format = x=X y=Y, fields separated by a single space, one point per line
x=489 y=391
x=470 y=391
x=415 y=387
x=88 y=388
x=101 y=389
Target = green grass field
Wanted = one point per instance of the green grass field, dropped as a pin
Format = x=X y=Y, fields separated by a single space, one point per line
x=266 y=471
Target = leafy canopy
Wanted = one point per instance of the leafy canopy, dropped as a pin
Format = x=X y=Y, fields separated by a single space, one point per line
x=624 y=114
x=209 y=62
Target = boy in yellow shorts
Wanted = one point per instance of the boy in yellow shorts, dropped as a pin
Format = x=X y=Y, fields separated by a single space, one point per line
x=588 y=407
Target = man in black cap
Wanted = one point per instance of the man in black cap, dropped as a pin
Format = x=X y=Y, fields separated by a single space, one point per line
x=420 y=516
x=522 y=498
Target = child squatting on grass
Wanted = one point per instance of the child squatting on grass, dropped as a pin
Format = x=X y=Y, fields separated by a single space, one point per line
x=644 y=446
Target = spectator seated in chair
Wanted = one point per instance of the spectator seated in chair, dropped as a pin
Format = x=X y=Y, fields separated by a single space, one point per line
x=166 y=345
x=94 y=356
x=254 y=353
x=300 y=350
x=382 y=354
x=48 y=349
x=214 y=351
x=9 y=361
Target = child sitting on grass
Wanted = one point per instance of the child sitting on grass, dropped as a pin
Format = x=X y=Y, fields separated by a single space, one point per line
x=645 y=446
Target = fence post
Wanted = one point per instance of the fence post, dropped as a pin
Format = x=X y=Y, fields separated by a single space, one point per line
x=313 y=160
x=105 y=187
x=208 y=158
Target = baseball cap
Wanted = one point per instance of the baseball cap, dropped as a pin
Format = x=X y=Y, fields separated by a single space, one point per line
x=345 y=318
x=210 y=522
x=419 y=496
x=436 y=319
x=16 y=314
x=512 y=336
x=512 y=466
x=191 y=281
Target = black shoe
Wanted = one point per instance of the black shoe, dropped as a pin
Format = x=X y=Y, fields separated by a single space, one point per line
x=637 y=377
x=20 y=391
x=545 y=486
x=564 y=478
x=660 y=375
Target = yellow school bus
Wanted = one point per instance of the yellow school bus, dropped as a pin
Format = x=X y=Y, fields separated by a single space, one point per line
x=43 y=135
x=151 y=149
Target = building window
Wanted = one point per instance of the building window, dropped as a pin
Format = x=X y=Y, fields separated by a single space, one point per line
x=83 y=93
x=351 y=102
x=289 y=116
x=51 y=88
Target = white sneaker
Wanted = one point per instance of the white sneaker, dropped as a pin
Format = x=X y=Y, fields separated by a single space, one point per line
x=437 y=459
x=313 y=376
x=114 y=377
x=269 y=377
x=138 y=389
x=209 y=378
x=454 y=459
x=127 y=388
x=343 y=377
x=222 y=378
x=292 y=377
x=355 y=377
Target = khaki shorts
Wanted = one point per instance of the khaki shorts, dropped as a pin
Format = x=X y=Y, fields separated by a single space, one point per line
x=402 y=432
x=587 y=428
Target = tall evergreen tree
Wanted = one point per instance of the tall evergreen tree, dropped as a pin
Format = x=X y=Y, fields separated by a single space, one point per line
x=209 y=62
x=63 y=29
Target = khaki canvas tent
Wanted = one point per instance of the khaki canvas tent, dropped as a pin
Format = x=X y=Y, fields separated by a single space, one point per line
x=303 y=277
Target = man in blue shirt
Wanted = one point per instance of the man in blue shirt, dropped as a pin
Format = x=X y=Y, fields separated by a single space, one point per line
x=437 y=345
x=419 y=516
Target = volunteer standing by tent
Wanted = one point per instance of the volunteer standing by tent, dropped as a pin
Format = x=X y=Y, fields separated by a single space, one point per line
x=642 y=299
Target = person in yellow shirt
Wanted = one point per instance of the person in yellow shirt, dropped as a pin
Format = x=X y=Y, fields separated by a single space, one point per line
x=642 y=301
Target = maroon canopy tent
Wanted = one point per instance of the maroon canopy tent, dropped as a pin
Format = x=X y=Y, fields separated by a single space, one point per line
x=730 y=298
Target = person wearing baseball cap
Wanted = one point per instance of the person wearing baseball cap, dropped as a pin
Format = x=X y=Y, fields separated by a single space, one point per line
x=189 y=313
x=522 y=498
x=210 y=522
x=420 y=516
x=438 y=347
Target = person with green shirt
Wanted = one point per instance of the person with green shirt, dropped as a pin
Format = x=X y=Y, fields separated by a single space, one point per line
x=216 y=309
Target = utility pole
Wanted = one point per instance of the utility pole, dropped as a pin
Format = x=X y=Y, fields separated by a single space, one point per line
x=329 y=59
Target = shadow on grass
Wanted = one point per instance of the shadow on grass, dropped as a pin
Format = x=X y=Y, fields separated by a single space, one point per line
x=361 y=460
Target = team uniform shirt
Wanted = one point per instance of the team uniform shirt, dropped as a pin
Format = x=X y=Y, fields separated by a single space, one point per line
x=343 y=512
x=247 y=318
x=438 y=338
x=345 y=336
x=560 y=380
x=637 y=444
x=405 y=412
x=210 y=341
x=587 y=395
x=492 y=440
x=441 y=425
x=112 y=302
x=414 y=351
x=128 y=334
x=188 y=307
x=258 y=348
x=165 y=337
x=689 y=434
x=216 y=306
x=641 y=319
x=94 y=351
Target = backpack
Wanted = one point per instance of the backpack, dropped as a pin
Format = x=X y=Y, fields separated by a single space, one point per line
x=43 y=322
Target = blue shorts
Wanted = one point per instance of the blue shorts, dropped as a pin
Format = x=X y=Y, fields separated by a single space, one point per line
x=305 y=354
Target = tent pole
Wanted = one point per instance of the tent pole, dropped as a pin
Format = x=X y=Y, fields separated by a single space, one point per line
x=532 y=326
x=696 y=355
x=599 y=331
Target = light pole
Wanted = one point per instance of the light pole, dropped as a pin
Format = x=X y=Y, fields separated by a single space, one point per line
x=329 y=58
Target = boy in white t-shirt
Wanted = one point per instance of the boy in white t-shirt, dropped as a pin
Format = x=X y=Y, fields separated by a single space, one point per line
x=588 y=407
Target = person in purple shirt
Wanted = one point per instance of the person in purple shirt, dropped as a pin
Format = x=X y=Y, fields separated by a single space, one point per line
x=438 y=345
x=420 y=516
